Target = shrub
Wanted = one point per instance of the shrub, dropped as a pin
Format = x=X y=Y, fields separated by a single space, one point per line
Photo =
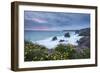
x=58 y=56
x=83 y=54
x=86 y=53
x=66 y=49
x=61 y=48
x=34 y=52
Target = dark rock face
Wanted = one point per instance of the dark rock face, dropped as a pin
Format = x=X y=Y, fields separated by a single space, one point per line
x=54 y=38
x=77 y=31
x=67 y=35
x=84 y=32
x=84 y=42
x=61 y=40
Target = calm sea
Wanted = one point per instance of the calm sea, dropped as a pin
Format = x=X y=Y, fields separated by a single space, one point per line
x=40 y=35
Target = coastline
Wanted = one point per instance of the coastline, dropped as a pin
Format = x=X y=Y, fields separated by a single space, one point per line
x=48 y=43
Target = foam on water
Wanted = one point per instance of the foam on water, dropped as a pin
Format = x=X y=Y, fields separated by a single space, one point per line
x=67 y=40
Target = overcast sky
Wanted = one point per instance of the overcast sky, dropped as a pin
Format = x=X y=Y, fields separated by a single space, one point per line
x=34 y=20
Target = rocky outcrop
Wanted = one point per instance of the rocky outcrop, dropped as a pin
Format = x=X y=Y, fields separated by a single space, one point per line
x=84 y=42
x=61 y=40
x=54 y=38
x=84 y=32
x=67 y=35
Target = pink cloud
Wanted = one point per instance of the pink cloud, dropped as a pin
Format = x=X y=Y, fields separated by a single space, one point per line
x=39 y=20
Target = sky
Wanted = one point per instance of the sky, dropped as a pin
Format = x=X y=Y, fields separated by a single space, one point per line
x=38 y=20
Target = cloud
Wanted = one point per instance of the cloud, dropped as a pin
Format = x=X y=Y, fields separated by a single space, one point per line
x=39 y=20
x=56 y=20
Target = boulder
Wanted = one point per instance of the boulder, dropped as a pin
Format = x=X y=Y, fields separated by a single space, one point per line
x=61 y=40
x=67 y=35
x=54 y=38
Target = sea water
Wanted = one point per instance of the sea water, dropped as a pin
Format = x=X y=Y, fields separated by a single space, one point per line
x=45 y=38
x=30 y=35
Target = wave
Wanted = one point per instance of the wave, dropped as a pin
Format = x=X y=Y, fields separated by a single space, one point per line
x=49 y=43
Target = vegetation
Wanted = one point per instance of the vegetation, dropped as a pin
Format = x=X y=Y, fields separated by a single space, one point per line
x=83 y=54
x=86 y=53
x=66 y=50
x=35 y=52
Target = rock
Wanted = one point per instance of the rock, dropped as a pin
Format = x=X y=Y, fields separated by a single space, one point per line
x=54 y=38
x=61 y=40
x=77 y=32
x=84 y=32
x=67 y=35
x=84 y=42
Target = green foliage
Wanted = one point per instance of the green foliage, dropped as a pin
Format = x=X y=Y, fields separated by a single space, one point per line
x=58 y=56
x=67 y=34
x=35 y=52
x=66 y=50
x=61 y=48
x=84 y=54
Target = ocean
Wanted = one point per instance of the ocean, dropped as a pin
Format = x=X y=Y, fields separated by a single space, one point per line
x=31 y=35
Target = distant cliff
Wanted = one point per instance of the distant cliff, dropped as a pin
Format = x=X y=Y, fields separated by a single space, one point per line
x=84 y=32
